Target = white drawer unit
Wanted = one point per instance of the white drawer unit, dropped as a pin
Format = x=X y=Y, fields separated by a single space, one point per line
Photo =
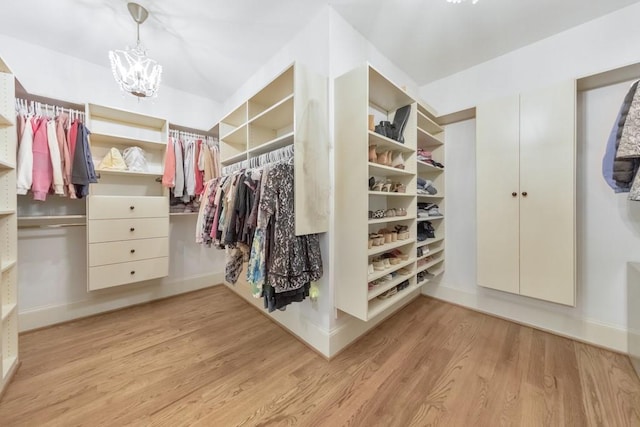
x=114 y=207
x=113 y=230
x=127 y=251
x=107 y=276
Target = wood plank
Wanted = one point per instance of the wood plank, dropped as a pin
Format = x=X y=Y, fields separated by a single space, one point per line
x=209 y=359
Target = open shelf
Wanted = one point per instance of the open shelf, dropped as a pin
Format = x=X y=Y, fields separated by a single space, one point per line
x=427 y=124
x=378 y=306
x=234 y=159
x=388 y=171
x=5 y=212
x=430 y=241
x=279 y=142
x=6 y=266
x=430 y=253
x=5 y=122
x=390 y=194
x=380 y=274
x=108 y=139
x=277 y=116
x=426 y=140
x=384 y=287
x=431 y=218
x=438 y=271
x=429 y=196
x=385 y=94
x=426 y=167
x=237 y=137
x=429 y=265
x=183 y=213
x=6 y=165
x=391 y=219
x=389 y=246
x=384 y=143
x=126 y=173
x=7 y=309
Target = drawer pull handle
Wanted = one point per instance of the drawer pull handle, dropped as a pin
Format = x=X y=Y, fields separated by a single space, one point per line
x=132 y=207
x=133 y=272
x=525 y=194
x=132 y=229
x=133 y=251
x=514 y=194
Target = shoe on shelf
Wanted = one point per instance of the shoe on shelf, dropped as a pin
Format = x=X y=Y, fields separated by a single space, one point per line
x=397 y=160
x=400 y=119
x=373 y=156
x=391 y=292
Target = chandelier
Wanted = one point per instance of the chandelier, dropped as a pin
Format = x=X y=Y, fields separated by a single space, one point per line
x=136 y=73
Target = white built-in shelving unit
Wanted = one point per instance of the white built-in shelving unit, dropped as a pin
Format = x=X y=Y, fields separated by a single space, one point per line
x=8 y=230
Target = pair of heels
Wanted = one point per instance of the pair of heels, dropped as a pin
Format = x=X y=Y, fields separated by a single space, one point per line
x=383 y=186
x=386 y=157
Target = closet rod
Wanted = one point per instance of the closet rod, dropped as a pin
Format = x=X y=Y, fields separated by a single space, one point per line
x=51 y=225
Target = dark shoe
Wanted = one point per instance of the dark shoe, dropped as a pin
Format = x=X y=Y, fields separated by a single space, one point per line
x=400 y=122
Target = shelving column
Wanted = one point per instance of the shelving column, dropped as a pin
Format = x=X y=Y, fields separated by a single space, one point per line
x=8 y=230
x=431 y=201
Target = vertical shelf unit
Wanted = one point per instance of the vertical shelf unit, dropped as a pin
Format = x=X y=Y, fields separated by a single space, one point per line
x=431 y=139
x=359 y=93
x=291 y=109
x=8 y=230
x=127 y=211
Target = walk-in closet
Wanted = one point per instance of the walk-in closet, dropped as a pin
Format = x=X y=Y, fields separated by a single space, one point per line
x=319 y=213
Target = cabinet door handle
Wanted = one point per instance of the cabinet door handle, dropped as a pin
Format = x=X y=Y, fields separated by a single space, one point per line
x=132 y=229
x=133 y=272
x=514 y=194
x=132 y=207
x=133 y=251
x=525 y=194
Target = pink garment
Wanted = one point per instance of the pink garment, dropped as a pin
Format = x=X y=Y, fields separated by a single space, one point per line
x=169 y=175
x=42 y=170
x=198 y=172
x=62 y=122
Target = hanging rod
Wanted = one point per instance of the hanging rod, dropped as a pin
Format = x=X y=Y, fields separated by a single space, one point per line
x=52 y=225
x=278 y=155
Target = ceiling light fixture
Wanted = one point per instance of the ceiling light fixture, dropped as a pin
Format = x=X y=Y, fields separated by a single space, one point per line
x=136 y=73
x=460 y=1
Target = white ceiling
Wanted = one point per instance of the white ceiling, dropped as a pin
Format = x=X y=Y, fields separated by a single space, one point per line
x=210 y=47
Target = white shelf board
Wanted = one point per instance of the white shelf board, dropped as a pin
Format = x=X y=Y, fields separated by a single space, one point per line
x=430 y=241
x=389 y=246
x=429 y=265
x=8 y=363
x=431 y=218
x=384 y=287
x=6 y=165
x=430 y=253
x=5 y=212
x=238 y=137
x=115 y=114
x=32 y=219
x=277 y=116
x=424 y=282
x=4 y=68
x=426 y=140
x=8 y=265
x=388 y=171
x=279 y=142
x=438 y=271
x=109 y=139
x=390 y=194
x=183 y=213
x=380 y=274
x=7 y=309
x=385 y=94
x=427 y=124
x=126 y=173
x=378 y=306
x=429 y=196
x=234 y=159
x=391 y=219
x=384 y=143
x=426 y=167
x=5 y=122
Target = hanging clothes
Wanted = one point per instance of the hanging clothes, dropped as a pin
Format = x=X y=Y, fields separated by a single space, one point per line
x=169 y=174
x=83 y=168
x=56 y=158
x=25 y=159
x=42 y=170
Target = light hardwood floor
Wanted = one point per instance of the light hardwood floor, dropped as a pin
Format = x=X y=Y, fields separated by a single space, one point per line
x=209 y=359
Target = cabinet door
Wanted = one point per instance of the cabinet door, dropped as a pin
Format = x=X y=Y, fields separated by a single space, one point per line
x=547 y=177
x=497 y=155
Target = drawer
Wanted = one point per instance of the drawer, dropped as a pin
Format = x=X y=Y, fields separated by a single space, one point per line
x=112 y=230
x=106 y=276
x=114 y=207
x=127 y=251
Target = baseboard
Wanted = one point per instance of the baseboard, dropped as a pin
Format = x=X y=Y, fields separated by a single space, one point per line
x=583 y=330
x=112 y=299
x=348 y=333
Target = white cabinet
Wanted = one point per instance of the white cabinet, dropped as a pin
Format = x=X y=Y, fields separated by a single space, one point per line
x=127 y=211
x=8 y=231
x=525 y=155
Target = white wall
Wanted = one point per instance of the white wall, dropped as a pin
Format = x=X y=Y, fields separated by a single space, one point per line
x=52 y=263
x=599 y=45
x=56 y=75
x=608 y=225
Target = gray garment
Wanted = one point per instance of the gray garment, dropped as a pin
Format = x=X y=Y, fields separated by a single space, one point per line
x=178 y=190
x=630 y=141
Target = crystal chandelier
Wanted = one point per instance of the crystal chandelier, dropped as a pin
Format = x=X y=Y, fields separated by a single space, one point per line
x=136 y=73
